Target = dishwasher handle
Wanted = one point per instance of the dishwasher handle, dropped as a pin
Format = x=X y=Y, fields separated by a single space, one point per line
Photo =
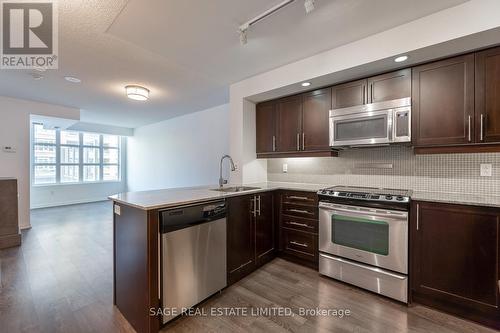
x=181 y=217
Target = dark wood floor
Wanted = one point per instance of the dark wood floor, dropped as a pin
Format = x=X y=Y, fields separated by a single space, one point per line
x=60 y=280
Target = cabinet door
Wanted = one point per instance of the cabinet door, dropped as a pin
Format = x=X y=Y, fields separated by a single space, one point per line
x=349 y=94
x=455 y=258
x=315 y=120
x=443 y=102
x=488 y=96
x=289 y=116
x=264 y=228
x=389 y=86
x=265 y=115
x=240 y=237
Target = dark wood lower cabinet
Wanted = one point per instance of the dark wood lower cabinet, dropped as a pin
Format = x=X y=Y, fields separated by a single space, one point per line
x=9 y=226
x=250 y=234
x=455 y=262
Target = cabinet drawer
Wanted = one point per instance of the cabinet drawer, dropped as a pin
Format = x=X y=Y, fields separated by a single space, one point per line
x=300 y=244
x=299 y=223
x=303 y=198
x=310 y=212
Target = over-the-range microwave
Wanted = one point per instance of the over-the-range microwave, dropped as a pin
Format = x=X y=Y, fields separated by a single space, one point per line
x=371 y=124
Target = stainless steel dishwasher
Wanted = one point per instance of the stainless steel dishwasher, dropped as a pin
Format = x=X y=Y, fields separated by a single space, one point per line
x=193 y=255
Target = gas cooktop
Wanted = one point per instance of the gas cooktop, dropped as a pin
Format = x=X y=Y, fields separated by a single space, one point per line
x=367 y=194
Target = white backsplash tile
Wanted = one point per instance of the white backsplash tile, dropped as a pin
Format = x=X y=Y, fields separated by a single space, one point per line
x=451 y=173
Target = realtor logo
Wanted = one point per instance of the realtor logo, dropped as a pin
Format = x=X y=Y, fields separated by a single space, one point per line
x=29 y=34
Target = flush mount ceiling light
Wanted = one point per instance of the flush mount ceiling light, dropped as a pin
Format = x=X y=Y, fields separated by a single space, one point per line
x=306 y=84
x=401 y=58
x=72 y=79
x=137 y=93
x=308 y=4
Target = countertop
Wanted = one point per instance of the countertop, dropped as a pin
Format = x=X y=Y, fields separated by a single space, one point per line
x=457 y=198
x=148 y=200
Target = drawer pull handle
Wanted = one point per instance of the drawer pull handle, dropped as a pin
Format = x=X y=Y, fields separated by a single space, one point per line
x=300 y=211
x=293 y=197
x=299 y=244
x=299 y=224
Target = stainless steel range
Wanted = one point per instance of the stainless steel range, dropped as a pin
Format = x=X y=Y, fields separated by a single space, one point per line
x=363 y=238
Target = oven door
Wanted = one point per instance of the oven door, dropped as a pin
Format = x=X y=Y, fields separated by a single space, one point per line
x=359 y=129
x=373 y=236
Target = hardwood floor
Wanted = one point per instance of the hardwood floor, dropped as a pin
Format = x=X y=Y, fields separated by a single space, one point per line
x=60 y=280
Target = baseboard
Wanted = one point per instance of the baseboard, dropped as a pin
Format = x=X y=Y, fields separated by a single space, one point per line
x=68 y=203
x=10 y=241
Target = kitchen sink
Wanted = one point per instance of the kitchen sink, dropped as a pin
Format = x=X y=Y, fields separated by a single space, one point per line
x=236 y=189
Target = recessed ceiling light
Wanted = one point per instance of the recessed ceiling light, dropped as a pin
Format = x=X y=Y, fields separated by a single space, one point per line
x=72 y=79
x=137 y=93
x=401 y=58
x=306 y=84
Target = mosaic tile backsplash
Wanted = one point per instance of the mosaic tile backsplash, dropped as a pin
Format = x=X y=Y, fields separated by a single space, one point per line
x=394 y=167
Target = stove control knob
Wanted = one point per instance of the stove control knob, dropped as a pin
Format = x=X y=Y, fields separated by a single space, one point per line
x=324 y=192
x=388 y=197
x=400 y=198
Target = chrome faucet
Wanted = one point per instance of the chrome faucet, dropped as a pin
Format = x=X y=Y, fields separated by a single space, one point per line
x=223 y=181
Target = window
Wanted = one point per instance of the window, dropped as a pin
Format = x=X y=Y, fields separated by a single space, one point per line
x=62 y=157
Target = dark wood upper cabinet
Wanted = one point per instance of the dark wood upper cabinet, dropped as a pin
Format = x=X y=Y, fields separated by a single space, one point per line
x=389 y=86
x=264 y=227
x=265 y=116
x=443 y=102
x=315 y=118
x=455 y=259
x=289 y=119
x=488 y=96
x=349 y=94
x=240 y=237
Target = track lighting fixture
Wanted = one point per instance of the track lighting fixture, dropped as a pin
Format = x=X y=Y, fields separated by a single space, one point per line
x=309 y=5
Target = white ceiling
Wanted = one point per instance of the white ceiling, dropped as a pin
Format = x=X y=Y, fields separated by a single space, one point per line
x=187 y=52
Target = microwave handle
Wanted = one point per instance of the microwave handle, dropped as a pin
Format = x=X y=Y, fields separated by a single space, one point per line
x=391 y=128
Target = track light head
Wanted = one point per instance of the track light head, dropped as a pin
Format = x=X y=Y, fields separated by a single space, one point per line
x=243 y=36
x=309 y=5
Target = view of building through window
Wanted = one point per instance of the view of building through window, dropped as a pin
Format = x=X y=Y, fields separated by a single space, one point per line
x=61 y=157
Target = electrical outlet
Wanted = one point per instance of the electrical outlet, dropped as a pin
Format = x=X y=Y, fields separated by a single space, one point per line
x=236 y=167
x=285 y=168
x=486 y=170
x=117 y=210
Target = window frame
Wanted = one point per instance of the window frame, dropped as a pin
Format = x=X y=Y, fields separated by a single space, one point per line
x=81 y=163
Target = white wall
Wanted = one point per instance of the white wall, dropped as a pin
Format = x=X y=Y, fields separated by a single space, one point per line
x=178 y=152
x=15 y=131
x=432 y=33
x=68 y=194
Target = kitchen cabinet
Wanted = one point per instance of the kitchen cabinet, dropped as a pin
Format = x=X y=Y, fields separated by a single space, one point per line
x=299 y=227
x=349 y=94
x=289 y=115
x=315 y=119
x=455 y=259
x=265 y=244
x=9 y=226
x=389 y=86
x=266 y=127
x=487 y=116
x=443 y=102
x=250 y=234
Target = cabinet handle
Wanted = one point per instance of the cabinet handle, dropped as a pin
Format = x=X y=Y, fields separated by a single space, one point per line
x=364 y=94
x=482 y=128
x=299 y=224
x=300 y=211
x=298 y=141
x=259 y=204
x=299 y=244
x=470 y=128
x=254 y=206
x=274 y=143
x=418 y=215
x=299 y=198
x=303 y=141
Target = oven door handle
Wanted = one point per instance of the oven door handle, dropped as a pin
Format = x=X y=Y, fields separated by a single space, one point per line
x=373 y=269
x=365 y=212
